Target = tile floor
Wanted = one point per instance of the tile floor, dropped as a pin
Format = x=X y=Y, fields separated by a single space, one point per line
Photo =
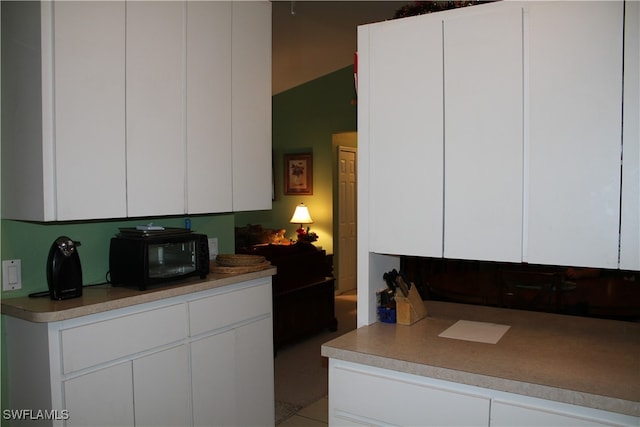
x=314 y=415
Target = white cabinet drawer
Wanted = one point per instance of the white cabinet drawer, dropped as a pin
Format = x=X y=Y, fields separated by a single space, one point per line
x=372 y=396
x=218 y=311
x=523 y=411
x=107 y=340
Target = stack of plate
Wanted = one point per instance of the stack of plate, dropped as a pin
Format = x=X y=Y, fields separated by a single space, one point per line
x=239 y=263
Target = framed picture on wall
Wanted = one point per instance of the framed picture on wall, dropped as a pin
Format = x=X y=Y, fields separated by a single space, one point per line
x=298 y=174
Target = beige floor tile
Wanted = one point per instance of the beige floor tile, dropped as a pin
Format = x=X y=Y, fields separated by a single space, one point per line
x=298 y=421
x=318 y=411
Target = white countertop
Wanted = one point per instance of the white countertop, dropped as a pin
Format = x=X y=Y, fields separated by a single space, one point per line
x=576 y=360
x=97 y=299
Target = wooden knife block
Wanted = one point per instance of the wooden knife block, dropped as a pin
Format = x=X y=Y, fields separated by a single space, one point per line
x=411 y=308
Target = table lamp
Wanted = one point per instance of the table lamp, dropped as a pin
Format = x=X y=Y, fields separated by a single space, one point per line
x=301 y=216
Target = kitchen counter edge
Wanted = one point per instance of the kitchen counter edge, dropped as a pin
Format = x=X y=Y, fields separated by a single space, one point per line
x=101 y=298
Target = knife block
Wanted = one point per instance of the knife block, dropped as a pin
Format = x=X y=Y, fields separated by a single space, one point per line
x=411 y=308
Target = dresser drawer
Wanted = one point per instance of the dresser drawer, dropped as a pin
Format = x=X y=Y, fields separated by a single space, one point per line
x=107 y=340
x=215 y=312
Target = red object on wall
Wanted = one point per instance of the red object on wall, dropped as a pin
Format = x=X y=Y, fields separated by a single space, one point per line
x=355 y=70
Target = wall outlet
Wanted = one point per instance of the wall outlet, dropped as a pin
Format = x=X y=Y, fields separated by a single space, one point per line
x=11 y=275
x=213 y=248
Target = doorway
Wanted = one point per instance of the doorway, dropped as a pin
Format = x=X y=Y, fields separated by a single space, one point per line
x=346 y=265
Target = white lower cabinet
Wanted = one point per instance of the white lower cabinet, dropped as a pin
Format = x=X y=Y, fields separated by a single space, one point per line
x=235 y=330
x=162 y=388
x=243 y=373
x=362 y=395
x=103 y=397
x=149 y=391
x=509 y=414
x=204 y=358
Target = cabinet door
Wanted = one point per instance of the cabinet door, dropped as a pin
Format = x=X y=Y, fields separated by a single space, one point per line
x=213 y=370
x=89 y=105
x=364 y=395
x=515 y=414
x=483 y=134
x=155 y=133
x=254 y=374
x=251 y=105
x=405 y=124
x=231 y=368
x=208 y=101
x=101 y=398
x=162 y=388
x=573 y=154
x=630 y=215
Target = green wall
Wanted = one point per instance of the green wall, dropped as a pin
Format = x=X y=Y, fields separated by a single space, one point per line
x=304 y=120
x=30 y=243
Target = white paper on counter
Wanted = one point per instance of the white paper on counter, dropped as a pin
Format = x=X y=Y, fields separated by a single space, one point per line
x=467 y=330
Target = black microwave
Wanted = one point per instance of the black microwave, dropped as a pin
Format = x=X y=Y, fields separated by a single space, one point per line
x=145 y=258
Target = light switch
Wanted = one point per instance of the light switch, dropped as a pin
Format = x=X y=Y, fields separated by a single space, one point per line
x=11 y=275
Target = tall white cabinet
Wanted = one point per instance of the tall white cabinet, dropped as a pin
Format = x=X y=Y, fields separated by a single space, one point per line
x=251 y=105
x=575 y=133
x=483 y=134
x=209 y=171
x=89 y=137
x=630 y=206
x=444 y=113
x=228 y=106
x=155 y=119
x=405 y=143
x=127 y=109
x=493 y=133
x=63 y=122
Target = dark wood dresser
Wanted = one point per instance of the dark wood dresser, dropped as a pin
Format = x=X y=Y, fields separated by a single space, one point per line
x=303 y=290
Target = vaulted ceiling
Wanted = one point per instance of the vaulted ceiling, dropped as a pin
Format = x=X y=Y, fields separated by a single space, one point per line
x=314 y=38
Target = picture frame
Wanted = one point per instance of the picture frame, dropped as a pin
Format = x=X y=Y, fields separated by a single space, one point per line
x=298 y=174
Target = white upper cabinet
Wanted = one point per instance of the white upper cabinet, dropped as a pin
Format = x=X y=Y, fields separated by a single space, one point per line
x=251 y=105
x=630 y=215
x=483 y=134
x=228 y=106
x=63 y=139
x=89 y=83
x=128 y=109
x=403 y=82
x=494 y=133
x=155 y=120
x=208 y=107
x=574 y=115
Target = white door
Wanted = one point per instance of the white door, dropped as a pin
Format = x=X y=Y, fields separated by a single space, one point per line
x=251 y=105
x=89 y=99
x=213 y=368
x=573 y=156
x=630 y=215
x=208 y=107
x=155 y=133
x=483 y=134
x=347 y=226
x=101 y=398
x=405 y=141
x=232 y=376
x=162 y=388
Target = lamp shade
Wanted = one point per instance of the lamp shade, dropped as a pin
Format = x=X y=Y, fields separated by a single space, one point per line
x=301 y=215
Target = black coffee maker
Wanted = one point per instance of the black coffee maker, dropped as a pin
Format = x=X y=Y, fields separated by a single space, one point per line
x=64 y=272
